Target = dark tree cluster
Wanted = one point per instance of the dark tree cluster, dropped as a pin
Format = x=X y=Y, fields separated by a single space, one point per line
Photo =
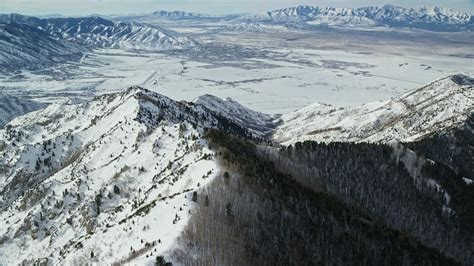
x=454 y=148
x=369 y=177
x=263 y=216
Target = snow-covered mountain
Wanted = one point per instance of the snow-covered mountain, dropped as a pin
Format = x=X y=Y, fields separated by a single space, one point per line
x=435 y=18
x=22 y=46
x=318 y=15
x=99 y=32
x=11 y=107
x=438 y=106
x=111 y=180
x=178 y=15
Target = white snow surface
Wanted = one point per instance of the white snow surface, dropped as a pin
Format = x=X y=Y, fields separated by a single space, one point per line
x=58 y=162
x=467 y=180
x=440 y=105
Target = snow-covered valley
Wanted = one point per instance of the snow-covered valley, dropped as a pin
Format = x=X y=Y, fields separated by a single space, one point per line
x=273 y=72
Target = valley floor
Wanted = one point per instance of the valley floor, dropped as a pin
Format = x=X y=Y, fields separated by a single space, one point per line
x=275 y=72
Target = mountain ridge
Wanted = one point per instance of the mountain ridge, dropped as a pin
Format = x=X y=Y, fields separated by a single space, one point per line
x=440 y=105
x=80 y=177
x=123 y=171
x=427 y=18
x=435 y=18
x=98 y=32
x=22 y=46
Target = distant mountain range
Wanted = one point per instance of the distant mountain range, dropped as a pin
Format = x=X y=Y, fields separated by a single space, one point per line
x=22 y=46
x=437 y=19
x=26 y=42
x=103 y=33
x=178 y=15
x=434 y=18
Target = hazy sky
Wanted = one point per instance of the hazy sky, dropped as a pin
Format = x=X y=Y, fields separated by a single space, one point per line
x=84 y=7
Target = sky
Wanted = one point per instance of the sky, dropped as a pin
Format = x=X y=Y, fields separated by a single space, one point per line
x=216 y=7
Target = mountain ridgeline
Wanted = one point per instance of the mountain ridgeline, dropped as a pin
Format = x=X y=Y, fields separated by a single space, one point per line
x=306 y=17
x=434 y=19
x=24 y=47
x=30 y=43
x=213 y=182
x=97 y=32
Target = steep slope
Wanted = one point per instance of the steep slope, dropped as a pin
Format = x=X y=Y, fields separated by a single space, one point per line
x=443 y=104
x=259 y=124
x=106 y=181
x=404 y=190
x=453 y=147
x=99 y=32
x=22 y=46
x=11 y=107
x=263 y=213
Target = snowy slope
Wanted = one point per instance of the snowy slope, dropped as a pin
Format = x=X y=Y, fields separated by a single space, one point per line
x=98 y=32
x=259 y=123
x=24 y=46
x=434 y=18
x=11 y=107
x=440 y=105
x=113 y=176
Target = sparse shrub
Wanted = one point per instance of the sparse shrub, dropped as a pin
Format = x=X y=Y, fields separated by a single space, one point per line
x=116 y=189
